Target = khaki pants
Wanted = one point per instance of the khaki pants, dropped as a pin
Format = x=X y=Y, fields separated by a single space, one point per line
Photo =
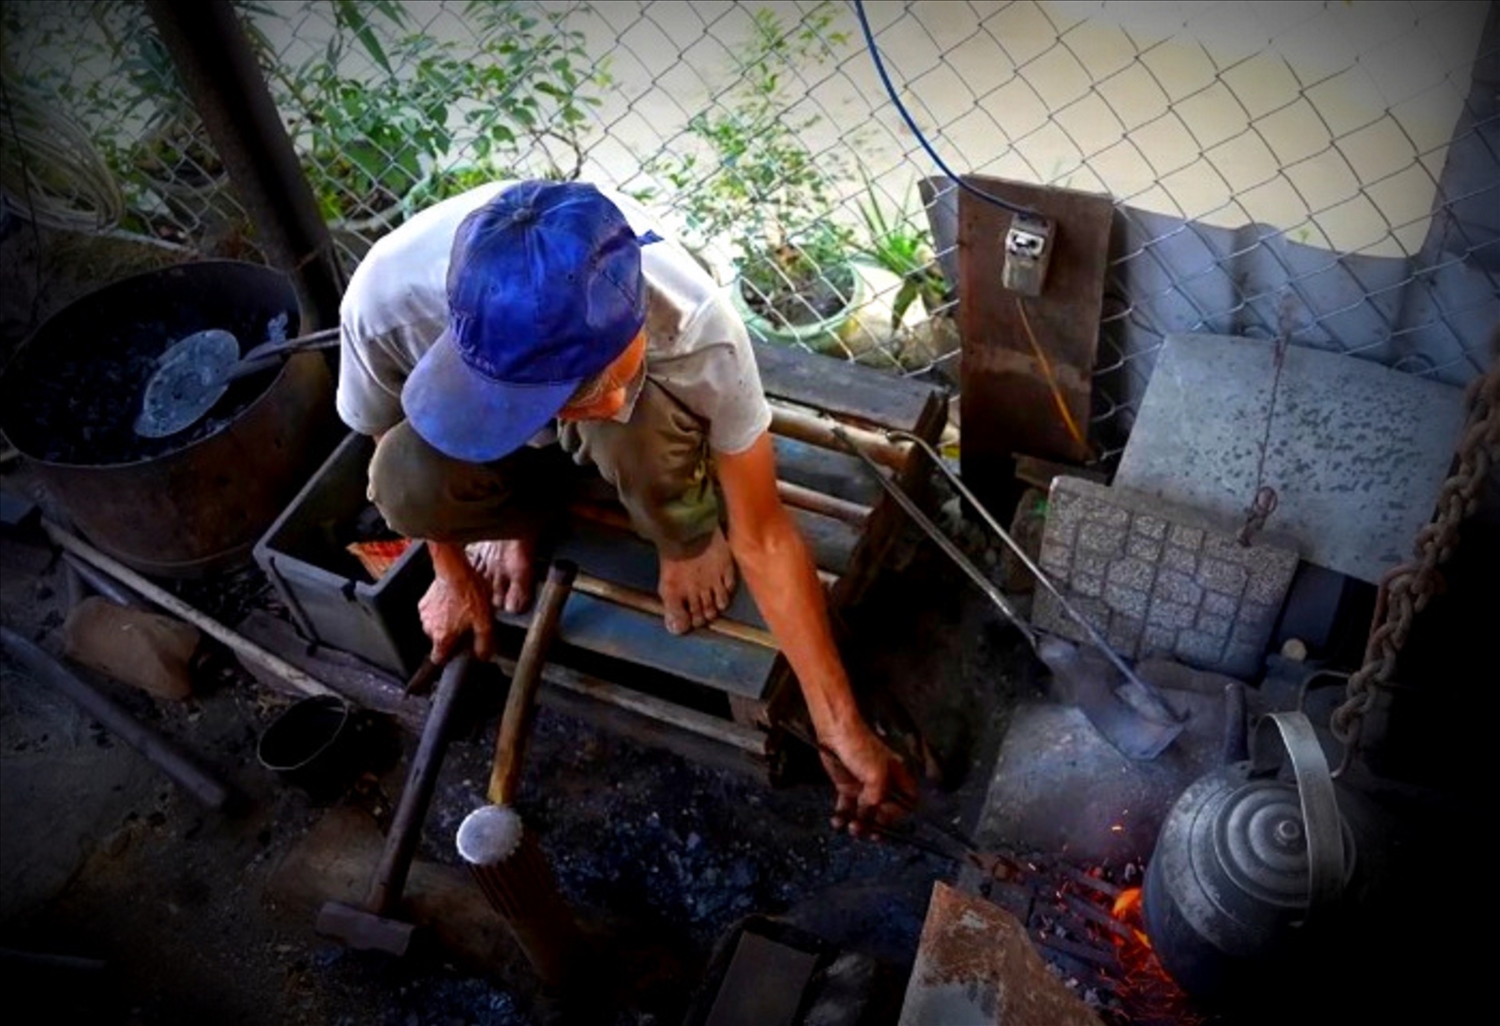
x=658 y=464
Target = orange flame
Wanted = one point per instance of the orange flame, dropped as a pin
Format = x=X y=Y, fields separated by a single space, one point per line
x=1127 y=909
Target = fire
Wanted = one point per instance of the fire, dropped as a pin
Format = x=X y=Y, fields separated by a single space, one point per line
x=1127 y=909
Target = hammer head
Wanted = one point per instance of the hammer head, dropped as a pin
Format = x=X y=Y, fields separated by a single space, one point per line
x=364 y=930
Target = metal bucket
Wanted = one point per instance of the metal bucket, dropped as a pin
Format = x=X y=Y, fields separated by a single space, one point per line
x=313 y=745
x=177 y=507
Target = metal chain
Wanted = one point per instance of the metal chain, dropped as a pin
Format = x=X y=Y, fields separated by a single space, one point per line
x=1405 y=590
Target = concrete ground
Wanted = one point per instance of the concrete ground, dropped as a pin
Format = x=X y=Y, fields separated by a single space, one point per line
x=127 y=901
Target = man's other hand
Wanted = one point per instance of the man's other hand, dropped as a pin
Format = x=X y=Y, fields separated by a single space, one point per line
x=874 y=786
x=457 y=603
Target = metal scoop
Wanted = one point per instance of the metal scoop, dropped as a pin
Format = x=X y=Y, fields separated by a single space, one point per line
x=195 y=372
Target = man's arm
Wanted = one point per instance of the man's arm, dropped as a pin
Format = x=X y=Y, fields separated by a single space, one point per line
x=776 y=565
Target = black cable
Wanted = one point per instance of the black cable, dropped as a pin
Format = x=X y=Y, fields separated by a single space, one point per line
x=890 y=88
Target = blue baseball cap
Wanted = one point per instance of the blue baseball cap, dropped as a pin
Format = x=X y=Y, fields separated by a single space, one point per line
x=544 y=291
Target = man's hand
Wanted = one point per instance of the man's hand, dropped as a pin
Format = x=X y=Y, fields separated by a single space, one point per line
x=457 y=603
x=874 y=786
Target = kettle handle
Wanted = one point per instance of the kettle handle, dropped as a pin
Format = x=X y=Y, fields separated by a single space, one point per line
x=1320 y=809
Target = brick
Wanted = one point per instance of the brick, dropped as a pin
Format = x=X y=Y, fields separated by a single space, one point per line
x=1088 y=585
x=1100 y=538
x=1178 y=587
x=1107 y=513
x=1055 y=559
x=1179 y=559
x=1187 y=537
x=1139 y=547
x=1124 y=634
x=1091 y=563
x=1124 y=599
x=1199 y=648
x=1172 y=615
x=1214 y=626
x=1219 y=576
x=1255 y=616
x=1132 y=573
x=1150 y=527
x=1158 y=641
x=1215 y=604
x=1268 y=585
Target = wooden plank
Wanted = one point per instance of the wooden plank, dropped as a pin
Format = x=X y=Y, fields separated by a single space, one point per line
x=655 y=723
x=1008 y=400
x=721 y=731
x=847 y=390
x=832 y=541
x=345 y=673
x=824 y=470
x=712 y=660
x=628 y=559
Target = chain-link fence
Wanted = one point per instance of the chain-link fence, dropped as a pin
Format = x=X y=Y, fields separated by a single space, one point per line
x=1321 y=172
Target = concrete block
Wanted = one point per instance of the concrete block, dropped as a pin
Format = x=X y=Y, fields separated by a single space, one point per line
x=1356 y=452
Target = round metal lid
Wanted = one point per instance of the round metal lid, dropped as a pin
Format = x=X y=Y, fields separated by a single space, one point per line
x=189 y=378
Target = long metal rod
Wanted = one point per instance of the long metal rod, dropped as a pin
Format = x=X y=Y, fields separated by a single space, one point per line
x=1042 y=579
x=943 y=541
x=158 y=750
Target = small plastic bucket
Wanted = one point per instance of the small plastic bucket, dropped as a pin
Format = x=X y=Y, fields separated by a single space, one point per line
x=312 y=746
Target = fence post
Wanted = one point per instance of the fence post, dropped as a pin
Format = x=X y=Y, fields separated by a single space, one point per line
x=219 y=72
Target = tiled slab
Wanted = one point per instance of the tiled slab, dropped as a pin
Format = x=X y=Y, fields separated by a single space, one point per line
x=1155 y=578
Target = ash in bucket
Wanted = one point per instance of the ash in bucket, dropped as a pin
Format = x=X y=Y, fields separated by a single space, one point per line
x=75 y=400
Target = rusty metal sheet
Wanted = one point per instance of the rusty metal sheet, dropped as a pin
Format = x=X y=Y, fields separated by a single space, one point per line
x=1007 y=403
x=975 y=966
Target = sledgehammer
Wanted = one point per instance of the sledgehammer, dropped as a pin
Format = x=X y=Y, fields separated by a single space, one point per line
x=502 y=854
x=374 y=927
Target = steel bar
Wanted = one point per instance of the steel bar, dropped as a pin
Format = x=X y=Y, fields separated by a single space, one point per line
x=166 y=600
x=1041 y=577
x=118 y=721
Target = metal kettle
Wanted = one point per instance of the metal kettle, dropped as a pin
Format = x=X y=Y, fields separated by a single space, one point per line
x=1249 y=870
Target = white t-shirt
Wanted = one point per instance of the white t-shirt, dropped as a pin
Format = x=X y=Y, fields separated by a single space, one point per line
x=396 y=305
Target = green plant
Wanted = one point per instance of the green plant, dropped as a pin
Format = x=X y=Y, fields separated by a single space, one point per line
x=371 y=140
x=905 y=250
x=755 y=183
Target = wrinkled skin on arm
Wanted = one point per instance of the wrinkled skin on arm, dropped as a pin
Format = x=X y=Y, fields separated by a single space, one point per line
x=775 y=563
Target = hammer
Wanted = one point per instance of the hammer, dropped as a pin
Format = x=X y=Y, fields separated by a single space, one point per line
x=502 y=855
x=373 y=927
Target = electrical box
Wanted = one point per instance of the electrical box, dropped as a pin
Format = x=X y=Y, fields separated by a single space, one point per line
x=1029 y=242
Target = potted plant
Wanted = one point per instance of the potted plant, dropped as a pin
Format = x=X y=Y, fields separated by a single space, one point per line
x=754 y=183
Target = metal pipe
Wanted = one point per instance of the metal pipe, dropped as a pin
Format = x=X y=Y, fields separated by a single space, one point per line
x=1042 y=579
x=220 y=74
x=157 y=749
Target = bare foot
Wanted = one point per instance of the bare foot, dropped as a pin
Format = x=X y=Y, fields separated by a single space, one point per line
x=508 y=565
x=698 y=589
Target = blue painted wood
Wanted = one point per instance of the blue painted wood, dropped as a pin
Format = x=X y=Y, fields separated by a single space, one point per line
x=712 y=660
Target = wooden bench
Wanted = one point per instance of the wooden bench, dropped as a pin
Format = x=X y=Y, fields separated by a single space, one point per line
x=707 y=695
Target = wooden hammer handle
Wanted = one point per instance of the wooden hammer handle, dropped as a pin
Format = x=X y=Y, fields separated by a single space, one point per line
x=515 y=722
x=644 y=602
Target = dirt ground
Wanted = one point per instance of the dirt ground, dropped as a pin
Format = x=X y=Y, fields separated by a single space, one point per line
x=175 y=906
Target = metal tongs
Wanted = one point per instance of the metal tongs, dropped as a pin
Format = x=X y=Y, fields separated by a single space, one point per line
x=949 y=841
